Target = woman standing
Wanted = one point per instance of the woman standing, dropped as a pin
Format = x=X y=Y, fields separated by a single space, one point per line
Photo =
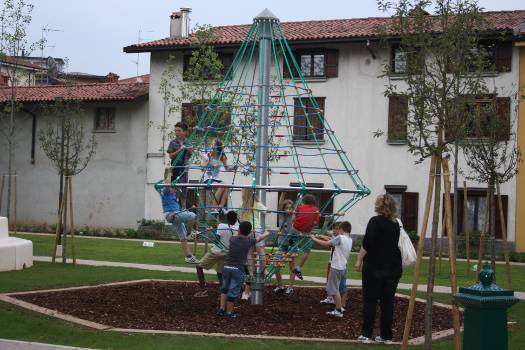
x=380 y=260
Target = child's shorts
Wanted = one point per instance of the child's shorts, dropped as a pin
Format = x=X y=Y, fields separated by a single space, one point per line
x=336 y=282
x=179 y=221
x=210 y=259
x=259 y=232
x=232 y=279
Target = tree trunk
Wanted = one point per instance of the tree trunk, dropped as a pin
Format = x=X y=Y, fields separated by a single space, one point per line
x=504 y=236
x=481 y=251
x=451 y=255
x=455 y=207
x=492 y=228
x=432 y=257
x=420 y=249
x=465 y=229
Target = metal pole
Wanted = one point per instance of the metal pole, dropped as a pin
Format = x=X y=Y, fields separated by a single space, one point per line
x=261 y=155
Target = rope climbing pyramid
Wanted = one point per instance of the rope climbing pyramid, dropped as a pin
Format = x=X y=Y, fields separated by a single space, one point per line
x=264 y=132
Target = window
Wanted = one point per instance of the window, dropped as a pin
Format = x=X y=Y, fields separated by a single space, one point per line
x=216 y=122
x=41 y=79
x=398 y=60
x=397 y=118
x=308 y=119
x=105 y=120
x=225 y=58
x=490 y=117
x=404 y=58
x=497 y=56
x=476 y=204
x=324 y=200
x=317 y=63
x=407 y=204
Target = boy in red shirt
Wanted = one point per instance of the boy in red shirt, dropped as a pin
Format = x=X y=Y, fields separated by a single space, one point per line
x=306 y=216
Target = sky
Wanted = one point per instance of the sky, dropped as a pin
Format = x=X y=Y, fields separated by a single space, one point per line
x=91 y=34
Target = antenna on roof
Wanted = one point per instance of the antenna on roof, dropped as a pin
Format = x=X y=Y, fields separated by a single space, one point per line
x=139 y=39
x=45 y=31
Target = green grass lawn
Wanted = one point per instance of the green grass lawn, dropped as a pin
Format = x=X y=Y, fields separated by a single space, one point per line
x=171 y=254
x=17 y=323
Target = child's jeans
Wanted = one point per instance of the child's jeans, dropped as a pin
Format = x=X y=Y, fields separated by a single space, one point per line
x=232 y=279
x=179 y=221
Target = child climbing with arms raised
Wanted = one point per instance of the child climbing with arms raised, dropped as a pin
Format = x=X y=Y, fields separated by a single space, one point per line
x=212 y=163
x=173 y=213
x=336 y=285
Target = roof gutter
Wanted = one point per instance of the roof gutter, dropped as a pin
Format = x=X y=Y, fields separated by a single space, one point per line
x=364 y=39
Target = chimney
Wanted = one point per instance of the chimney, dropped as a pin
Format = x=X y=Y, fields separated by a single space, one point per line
x=180 y=23
x=112 y=78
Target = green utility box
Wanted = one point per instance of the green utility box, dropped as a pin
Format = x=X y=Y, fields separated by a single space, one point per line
x=485 y=318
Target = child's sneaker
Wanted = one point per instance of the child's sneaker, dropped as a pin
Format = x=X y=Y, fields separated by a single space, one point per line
x=288 y=291
x=191 y=260
x=221 y=313
x=279 y=290
x=334 y=313
x=246 y=295
x=343 y=310
x=328 y=301
x=232 y=314
x=298 y=273
x=378 y=339
x=364 y=339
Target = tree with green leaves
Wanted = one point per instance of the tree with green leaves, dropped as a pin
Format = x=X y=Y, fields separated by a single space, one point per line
x=492 y=155
x=440 y=62
x=15 y=17
x=69 y=147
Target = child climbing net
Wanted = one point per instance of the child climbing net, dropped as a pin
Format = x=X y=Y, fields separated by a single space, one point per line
x=263 y=125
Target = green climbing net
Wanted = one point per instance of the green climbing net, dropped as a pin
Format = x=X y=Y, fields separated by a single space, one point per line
x=300 y=147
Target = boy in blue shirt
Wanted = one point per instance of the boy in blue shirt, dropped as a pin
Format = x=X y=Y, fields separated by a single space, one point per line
x=178 y=217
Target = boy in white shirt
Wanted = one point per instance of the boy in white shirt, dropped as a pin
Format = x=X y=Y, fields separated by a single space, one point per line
x=342 y=245
x=215 y=257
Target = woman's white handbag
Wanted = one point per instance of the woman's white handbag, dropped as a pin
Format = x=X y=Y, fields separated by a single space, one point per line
x=408 y=253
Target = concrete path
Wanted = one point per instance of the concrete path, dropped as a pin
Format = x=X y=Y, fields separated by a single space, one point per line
x=6 y=344
x=191 y=269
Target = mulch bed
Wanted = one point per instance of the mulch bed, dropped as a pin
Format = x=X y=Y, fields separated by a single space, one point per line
x=172 y=306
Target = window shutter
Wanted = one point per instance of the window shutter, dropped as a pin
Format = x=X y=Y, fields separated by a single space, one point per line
x=286 y=71
x=397 y=117
x=503 y=56
x=410 y=210
x=299 y=120
x=497 y=222
x=185 y=65
x=331 y=60
x=503 y=125
x=187 y=114
x=227 y=60
x=317 y=119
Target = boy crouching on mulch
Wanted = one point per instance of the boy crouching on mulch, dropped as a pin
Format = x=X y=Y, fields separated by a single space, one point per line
x=234 y=267
x=342 y=245
x=215 y=257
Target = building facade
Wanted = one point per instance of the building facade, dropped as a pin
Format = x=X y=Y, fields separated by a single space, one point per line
x=350 y=84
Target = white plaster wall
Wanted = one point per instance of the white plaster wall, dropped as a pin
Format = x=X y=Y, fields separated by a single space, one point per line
x=108 y=193
x=355 y=107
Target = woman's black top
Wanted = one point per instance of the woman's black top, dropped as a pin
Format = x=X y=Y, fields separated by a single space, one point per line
x=381 y=245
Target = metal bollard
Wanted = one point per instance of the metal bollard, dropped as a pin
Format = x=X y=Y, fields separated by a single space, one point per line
x=485 y=320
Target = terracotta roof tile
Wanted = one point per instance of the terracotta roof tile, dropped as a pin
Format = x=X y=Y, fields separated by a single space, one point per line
x=20 y=61
x=323 y=30
x=125 y=90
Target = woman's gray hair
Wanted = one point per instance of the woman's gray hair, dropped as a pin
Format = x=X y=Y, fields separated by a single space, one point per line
x=385 y=205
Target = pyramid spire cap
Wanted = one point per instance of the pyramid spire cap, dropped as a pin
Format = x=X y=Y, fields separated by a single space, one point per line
x=266 y=14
